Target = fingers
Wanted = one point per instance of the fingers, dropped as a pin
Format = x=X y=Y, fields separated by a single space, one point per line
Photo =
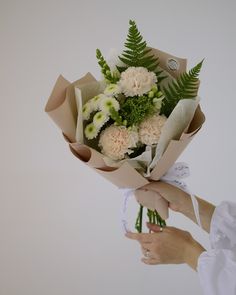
x=150 y=261
x=147 y=198
x=142 y=238
x=155 y=228
x=157 y=186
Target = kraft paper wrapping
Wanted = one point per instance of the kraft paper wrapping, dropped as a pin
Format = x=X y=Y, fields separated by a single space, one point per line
x=62 y=107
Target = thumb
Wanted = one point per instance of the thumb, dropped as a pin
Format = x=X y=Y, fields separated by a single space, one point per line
x=155 y=228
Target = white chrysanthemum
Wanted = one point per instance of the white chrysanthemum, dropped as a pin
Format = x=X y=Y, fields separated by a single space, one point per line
x=112 y=89
x=116 y=141
x=91 y=131
x=150 y=129
x=136 y=81
x=107 y=103
x=95 y=101
x=87 y=110
x=99 y=119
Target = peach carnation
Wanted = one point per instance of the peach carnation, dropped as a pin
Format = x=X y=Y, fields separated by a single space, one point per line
x=150 y=129
x=116 y=141
x=136 y=81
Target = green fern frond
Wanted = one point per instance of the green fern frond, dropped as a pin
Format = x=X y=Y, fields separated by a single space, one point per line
x=105 y=69
x=186 y=86
x=137 y=53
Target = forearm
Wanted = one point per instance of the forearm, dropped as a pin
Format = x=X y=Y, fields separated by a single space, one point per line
x=206 y=211
x=193 y=251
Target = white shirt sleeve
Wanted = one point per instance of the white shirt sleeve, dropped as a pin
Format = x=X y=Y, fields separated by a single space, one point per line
x=217 y=267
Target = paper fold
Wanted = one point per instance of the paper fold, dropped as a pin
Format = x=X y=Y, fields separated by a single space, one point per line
x=64 y=106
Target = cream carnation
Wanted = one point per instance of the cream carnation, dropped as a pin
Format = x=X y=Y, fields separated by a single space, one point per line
x=116 y=141
x=136 y=81
x=150 y=129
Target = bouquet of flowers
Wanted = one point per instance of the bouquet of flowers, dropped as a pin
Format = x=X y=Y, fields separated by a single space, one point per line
x=131 y=126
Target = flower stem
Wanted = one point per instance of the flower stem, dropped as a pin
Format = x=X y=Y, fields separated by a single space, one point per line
x=139 y=220
x=153 y=217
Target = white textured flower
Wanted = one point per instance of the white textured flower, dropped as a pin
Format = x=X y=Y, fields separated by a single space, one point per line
x=87 y=110
x=150 y=129
x=116 y=141
x=99 y=119
x=112 y=89
x=107 y=103
x=95 y=101
x=136 y=81
x=91 y=131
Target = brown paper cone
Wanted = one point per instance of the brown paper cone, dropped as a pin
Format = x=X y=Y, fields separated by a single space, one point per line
x=61 y=107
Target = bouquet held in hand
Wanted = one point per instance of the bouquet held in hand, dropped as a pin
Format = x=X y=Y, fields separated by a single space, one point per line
x=131 y=126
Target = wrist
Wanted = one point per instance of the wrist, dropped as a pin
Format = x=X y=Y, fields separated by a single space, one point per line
x=192 y=253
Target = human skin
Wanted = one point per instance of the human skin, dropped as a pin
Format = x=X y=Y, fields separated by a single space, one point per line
x=172 y=245
x=180 y=201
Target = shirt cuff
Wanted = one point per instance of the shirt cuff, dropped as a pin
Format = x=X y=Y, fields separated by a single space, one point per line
x=223 y=224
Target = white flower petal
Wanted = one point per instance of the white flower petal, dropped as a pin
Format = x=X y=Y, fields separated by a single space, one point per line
x=99 y=119
x=91 y=131
x=136 y=81
x=107 y=103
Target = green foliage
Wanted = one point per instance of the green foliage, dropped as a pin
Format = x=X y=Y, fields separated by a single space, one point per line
x=139 y=220
x=136 y=109
x=186 y=86
x=153 y=217
x=137 y=54
x=116 y=117
x=105 y=69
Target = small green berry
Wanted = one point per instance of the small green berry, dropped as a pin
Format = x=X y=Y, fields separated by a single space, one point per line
x=159 y=94
x=150 y=94
x=154 y=88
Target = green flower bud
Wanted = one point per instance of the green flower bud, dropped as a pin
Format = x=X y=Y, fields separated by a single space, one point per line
x=154 y=88
x=155 y=100
x=150 y=94
x=108 y=73
x=159 y=94
x=125 y=122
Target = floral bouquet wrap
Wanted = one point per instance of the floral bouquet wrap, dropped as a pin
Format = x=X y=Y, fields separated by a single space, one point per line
x=133 y=125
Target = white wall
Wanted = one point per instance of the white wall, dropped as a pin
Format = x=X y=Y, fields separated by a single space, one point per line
x=60 y=230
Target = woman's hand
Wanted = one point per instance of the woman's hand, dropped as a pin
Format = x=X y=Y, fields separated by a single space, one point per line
x=178 y=200
x=168 y=246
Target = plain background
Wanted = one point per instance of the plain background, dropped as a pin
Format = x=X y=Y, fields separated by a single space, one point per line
x=60 y=229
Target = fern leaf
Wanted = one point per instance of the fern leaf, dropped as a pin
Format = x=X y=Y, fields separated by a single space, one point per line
x=137 y=53
x=186 y=86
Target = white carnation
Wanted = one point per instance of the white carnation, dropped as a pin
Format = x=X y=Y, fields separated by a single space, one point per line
x=150 y=129
x=136 y=81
